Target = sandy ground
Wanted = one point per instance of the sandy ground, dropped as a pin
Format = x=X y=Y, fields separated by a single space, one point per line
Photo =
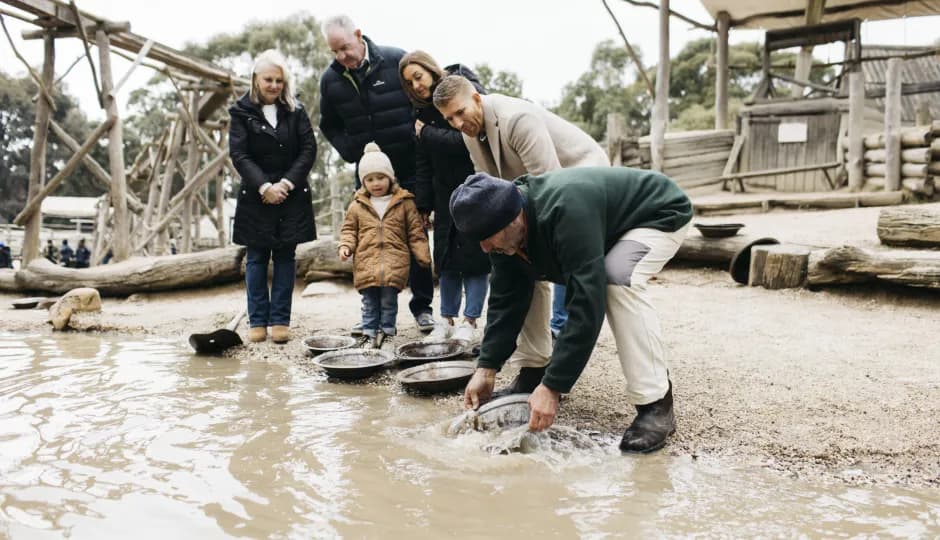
x=842 y=384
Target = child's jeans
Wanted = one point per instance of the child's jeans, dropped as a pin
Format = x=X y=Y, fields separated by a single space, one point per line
x=379 y=310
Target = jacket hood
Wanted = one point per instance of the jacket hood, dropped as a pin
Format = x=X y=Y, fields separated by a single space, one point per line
x=466 y=73
x=398 y=194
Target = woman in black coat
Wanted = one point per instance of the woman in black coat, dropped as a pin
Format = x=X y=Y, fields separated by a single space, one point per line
x=443 y=163
x=273 y=148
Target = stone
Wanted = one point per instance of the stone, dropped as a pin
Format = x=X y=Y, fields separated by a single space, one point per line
x=81 y=299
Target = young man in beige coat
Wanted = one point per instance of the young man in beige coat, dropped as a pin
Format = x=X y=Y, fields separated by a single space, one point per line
x=509 y=137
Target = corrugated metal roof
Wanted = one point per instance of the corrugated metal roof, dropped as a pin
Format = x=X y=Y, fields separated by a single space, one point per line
x=915 y=70
x=791 y=13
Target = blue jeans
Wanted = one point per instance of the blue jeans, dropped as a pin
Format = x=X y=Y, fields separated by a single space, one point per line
x=559 y=313
x=379 y=310
x=273 y=310
x=475 y=286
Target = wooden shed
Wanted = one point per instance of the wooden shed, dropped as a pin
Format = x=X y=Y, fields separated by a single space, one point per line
x=793 y=133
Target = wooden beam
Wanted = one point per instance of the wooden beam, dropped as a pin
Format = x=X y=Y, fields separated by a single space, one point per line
x=43 y=84
x=676 y=14
x=722 y=71
x=120 y=222
x=893 y=125
x=37 y=153
x=140 y=58
x=84 y=38
x=211 y=102
x=35 y=201
x=804 y=60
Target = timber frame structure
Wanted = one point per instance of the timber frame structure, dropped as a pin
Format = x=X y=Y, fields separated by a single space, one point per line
x=126 y=225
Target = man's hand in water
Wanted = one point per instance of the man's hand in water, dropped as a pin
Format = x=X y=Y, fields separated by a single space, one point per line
x=480 y=388
x=543 y=404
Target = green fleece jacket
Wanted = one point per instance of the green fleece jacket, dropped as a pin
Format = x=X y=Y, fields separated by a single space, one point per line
x=574 y=217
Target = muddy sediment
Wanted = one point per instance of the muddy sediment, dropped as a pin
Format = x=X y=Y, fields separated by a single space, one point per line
x=840 y=385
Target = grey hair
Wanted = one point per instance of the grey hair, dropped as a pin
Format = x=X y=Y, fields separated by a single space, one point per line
x=342 y=22
x=273 y=58
x=450 y=87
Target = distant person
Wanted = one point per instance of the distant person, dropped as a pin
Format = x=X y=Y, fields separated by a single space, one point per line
x=108 y=256
x=603 y=232
x=66 y=254
x=82 y=255
x=173 y=250
x=382 y=232
x=52 y=254
x=442 y=164
x=361 y=100
x=6 y=256
x=509 y=137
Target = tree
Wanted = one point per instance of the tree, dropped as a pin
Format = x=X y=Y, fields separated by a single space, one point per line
x=609 y=86
x=507 y=83
x=17 y=124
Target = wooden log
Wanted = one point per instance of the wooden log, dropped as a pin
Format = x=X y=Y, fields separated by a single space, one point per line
x=920 y=154
x=37 y=152
x=933 y=168
x=781 y=266
x=911 y=137
x=616 y=131
x=168 y=272
x=876 y=155
x=8 y=280
x=712 y=251
x=874 y=183
x=935 y=148
x=850 y=264
x=909 y=170
x=912 y=226
x=856 y=126
x=925 y=187
x=36 y=201
x=720 y=157
x=935 y=128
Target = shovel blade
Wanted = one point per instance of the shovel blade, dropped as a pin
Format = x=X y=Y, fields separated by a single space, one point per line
x=214 y=342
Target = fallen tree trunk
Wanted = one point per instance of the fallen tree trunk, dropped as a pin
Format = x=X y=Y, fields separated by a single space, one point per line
x=714 y=251
x=850 y=264
x=780 y=266
x=8 y=280
x=910 y=226
x=165 y=273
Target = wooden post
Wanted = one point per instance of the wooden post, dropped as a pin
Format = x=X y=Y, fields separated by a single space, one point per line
x=780 y=266
x=192 y=166
x=893 y=125
x=169 y=171
x=220 y=204
x=661 y=105
x=856 y=164
x=722 y=71
x=120 y=235
x=616 y=131
x=804 y=61
x=101 y=227
x=336 y=207
x=923 y=111
x=37 y=153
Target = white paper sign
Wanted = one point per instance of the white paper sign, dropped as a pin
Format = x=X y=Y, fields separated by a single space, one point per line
x=792 y=132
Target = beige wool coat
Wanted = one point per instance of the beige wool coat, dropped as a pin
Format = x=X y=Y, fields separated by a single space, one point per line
x=381 y=247
x=524 y=138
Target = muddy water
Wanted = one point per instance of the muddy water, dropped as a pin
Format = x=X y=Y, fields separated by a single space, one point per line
x=104 y=438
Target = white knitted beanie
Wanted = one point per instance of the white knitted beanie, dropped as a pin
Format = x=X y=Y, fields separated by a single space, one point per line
x=374 y=161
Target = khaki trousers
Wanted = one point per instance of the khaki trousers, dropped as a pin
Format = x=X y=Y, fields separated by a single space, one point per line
x=636 y=257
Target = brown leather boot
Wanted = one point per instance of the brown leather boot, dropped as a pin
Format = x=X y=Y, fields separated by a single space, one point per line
x=257 y=334
x=280 y=334
x=654 y=422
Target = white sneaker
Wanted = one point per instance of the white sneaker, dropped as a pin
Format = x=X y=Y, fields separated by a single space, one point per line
x=465 y=332
x=442 y=330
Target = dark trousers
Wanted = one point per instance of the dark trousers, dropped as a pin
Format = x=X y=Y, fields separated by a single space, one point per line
x=422 y=288
x=274 y=309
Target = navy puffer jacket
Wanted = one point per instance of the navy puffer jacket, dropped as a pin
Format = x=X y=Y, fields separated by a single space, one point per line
x=354 y=113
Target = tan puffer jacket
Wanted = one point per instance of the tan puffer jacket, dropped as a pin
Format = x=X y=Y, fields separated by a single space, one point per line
x=381 y=248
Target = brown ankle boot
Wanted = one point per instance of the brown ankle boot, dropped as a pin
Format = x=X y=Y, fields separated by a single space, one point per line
x=257 y=334
x=280 y=334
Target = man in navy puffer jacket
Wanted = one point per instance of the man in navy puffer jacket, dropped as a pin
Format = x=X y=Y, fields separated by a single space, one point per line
x=361 y=100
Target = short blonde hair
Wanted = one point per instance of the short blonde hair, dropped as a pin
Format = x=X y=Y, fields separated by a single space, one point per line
x=273 y=58
x=450 y=87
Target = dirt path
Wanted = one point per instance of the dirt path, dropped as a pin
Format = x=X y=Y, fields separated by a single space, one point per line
x=839 y=385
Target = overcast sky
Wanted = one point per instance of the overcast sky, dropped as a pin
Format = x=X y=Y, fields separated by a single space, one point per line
x=547 y=42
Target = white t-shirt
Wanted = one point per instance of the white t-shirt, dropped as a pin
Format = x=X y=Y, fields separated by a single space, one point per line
x=270 y=114
x=381 y=203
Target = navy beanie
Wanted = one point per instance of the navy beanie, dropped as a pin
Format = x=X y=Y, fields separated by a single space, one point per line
x=484 y=205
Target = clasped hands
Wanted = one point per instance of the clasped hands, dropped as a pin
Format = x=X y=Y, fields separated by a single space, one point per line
x=275 y=194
